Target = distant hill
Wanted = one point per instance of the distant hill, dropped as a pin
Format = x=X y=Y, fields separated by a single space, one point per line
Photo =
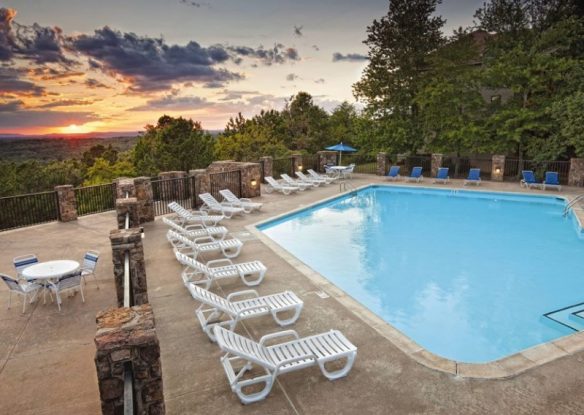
x=109 y=134
x=59 y=147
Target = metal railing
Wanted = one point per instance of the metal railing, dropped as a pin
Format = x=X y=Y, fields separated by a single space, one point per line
x=282 y=166
x=572 y=203
x=29 y=209
x=309 y=161
x=459 y=167
x=364 y=163
x=416 y=161
x=514 y=167
x=181 y=190
x=95 y=199
x=225 y=180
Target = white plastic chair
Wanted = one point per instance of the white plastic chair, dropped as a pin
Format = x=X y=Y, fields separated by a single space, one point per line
x=197 y=230
x=312 y=180
x=301 y=185
x=243 y=353
x=327 y=179
x=24 y=289
x=229 y=247
x=282 y=188
x=66 y=283
x=212 y=205
x=236 y=311
x=191 y=217
x=88 y=266
x=24 y=261
x=246 y=204
x=347 y=172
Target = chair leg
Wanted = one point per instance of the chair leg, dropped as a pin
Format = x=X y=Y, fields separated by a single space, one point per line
x=24 y=303
x=81 y=289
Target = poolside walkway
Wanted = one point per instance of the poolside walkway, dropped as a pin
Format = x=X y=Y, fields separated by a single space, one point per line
x=46 y=357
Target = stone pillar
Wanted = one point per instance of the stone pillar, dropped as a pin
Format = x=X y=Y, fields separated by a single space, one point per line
x=125 y=186
x=576 y=175
x=129 y=240
x=296 y=164
x=126 y=337
x=268 y=165
x=326 y=157
x=251 y=177
x=67 y=203
x=382 y=164
x=145 y=197
x=128 y=205
x=498 y=167
x=174 y=189
x=436 y=163
x=202 y=184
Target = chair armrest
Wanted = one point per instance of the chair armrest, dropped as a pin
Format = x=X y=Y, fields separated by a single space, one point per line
x=242 y=293
x=203 y=239
x=279 y=334
x=213 y=263
x=251 y=308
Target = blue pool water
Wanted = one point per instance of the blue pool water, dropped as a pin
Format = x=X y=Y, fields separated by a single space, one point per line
x=467 y=276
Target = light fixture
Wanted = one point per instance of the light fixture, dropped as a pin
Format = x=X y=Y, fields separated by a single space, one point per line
x=300 y=167
x=498 y=170
x=254 y=183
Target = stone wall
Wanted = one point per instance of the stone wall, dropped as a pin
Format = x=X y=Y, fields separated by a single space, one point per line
x=67 y=203
x=436 y=163
x=145 y=197
x=326 y=157
x=126 y=337
x=125 y=186
x=382 y=164
x=128 y=205
x=130 y=240
x=250 y=175
x=576 y=175
x=268 y=165
x=498 y=168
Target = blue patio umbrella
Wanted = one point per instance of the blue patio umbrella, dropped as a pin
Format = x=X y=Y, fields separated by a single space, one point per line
x=340 y=148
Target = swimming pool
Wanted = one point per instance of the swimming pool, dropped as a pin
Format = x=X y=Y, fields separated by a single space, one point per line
x=467 y=275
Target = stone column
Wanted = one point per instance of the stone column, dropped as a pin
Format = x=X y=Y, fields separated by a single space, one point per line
x=67 y=203
x=128 y=205
x=202 y=184
x=145 y=197
x=129 y=240
x=126 y=338
x=382 y=164
x=250 y=180
x=498 y=167
x=296 y=164
x=268 y=165
x=436 y=163
x=125 y=186
x=326 y=157
x=576 y=175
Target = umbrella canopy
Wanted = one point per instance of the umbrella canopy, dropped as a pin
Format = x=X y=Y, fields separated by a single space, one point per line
x=340 y=148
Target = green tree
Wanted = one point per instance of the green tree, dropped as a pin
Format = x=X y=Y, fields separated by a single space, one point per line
x=173 y=144
x=342 y=123
x=104 y=171
x=307 y=124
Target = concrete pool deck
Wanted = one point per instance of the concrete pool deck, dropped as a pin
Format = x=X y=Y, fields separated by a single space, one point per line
x=47 y=367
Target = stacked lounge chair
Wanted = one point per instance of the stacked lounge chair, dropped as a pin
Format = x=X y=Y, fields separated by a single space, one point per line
x=279 y=187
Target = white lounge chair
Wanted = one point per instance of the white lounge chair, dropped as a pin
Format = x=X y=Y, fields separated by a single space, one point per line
x=274 y=185
x=347 y=172
x=327 y=179
x=306 y=179
x=194 y=217
x=243 y=202
x=218 y=311
x=291 y=182
x=197 y=230
x=242 y=354
x=229 y=247
x=212 y=205
x=88 y=266
x=204 y=274
x=25 y=289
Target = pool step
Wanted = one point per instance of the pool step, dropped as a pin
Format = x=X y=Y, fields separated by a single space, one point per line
x=571 y=316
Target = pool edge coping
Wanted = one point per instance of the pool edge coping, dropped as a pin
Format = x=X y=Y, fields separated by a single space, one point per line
x=504 y=368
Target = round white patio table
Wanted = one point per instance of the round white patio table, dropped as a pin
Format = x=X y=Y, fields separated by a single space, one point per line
x=50 y=270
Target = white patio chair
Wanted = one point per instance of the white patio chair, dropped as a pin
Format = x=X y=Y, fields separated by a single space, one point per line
x=242 y=354
x=88 y=266
x=291 y=182
x=194 y=217
x=66 y=283
x=282 y=188
x=204 y=274
x=197 y=230
x=212 y=205
x=243 y=202
x=347 y=172
x=304 y=178
x=218 y=311
x=24 y=261
x=25 y=289
x=193 y=247
x=327 y=179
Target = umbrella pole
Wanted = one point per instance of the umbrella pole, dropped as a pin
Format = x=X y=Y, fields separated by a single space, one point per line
x=340 y=158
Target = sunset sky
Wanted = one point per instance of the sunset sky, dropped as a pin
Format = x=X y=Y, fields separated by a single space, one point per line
x=74 y=66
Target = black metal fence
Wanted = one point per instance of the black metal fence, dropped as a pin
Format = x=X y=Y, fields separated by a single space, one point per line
x=458 y=167
x=282 y=166
x=30 y=209
x=513 y=168
x=95 y=199
x=364 y=163
x=225 y=180
x=416 y=161
x=310 y=161
x=181 y=190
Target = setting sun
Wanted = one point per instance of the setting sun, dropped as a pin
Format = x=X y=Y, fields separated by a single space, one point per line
x=75 y=129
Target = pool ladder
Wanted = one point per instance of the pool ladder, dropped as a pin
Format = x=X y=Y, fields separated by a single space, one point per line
x=572 y=203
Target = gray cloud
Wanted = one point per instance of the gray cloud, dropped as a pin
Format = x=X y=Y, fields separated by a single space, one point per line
x=174 y=103
x=292 y=77
x=95 y=84
x=319 y=81
x=214 y=85
x=349 y=57
x=298 y=30
x=66 y=103
x=11 y=106
x=12 y=85
x=19 y=118
x=278 y=54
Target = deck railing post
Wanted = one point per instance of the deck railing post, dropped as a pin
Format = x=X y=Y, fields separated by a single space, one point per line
x=67 y=203
x=382 y=164
x=436 y=163
x=268 y=166
x=498 y=167
x=576 y=175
